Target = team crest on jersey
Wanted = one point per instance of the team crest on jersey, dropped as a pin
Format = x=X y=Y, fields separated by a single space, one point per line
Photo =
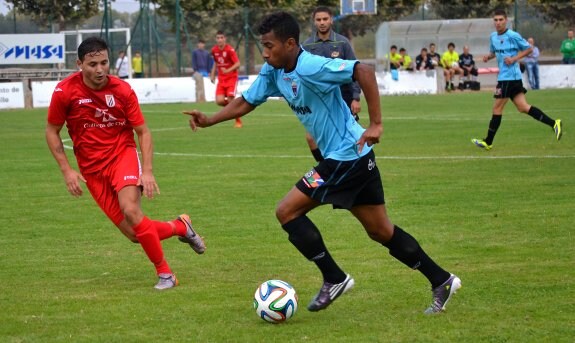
x=110 y=101
x=334 y=54
x=312 y=179
x=103 y=113
x=294 y=88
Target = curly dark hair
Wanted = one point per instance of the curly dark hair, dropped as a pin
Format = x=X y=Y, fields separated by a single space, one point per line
x=282 y=24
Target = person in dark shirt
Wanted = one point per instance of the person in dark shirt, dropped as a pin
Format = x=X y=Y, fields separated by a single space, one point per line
x=423 y=61
x=467 y=64
x=201 y=59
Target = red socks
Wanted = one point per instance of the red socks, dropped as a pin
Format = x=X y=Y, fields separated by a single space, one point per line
x=169 y=229
x=149 y=238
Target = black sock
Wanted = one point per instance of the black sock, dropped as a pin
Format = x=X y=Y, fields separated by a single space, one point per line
x=407 y=250
x=493 y=126
x=317 y=155
x=537 y=114
x=305 y=236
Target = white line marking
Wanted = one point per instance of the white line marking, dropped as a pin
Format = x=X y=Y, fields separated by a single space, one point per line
x=378 y=157
x=405 y=158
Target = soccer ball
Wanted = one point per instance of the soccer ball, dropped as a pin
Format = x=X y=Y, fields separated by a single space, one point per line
x=275 y=301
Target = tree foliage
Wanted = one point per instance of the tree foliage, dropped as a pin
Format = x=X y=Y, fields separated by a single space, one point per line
x=462 y=9
x=45 y=12
x=556 y=12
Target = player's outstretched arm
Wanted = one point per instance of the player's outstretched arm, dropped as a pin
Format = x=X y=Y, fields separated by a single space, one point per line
x=365 y=76
x=72 y=178
x=235 y=109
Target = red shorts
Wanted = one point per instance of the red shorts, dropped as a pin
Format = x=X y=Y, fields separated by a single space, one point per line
x=125 y=170
x=227 y=87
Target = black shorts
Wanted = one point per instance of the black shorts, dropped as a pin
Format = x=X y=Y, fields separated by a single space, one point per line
x=344 y=184
x=509 y=89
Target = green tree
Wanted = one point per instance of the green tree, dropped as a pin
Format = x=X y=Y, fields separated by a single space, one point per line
x=556 y=12
x=62 y=13
x=462 y=9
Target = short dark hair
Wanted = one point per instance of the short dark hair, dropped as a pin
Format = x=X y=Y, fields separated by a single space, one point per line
x=220 y=32
x=423 y=49
x=402 y=49
x=451 y=44
x=201 y=41
x=282 y=24
x=431 y=44
x=500 y=11
x=91 y=45
x=393 y=47
x=322 y=9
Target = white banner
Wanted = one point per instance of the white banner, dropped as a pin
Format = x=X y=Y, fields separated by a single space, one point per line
x=11 y=95
x=32 y=48
x=407 y=82
x=149 y=91
x=164 y=90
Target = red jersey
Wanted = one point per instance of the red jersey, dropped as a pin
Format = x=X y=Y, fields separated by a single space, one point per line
x=225 y=58
x=100 y=122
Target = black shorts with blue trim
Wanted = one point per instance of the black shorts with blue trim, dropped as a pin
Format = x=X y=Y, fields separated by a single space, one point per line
x=344 y=184
x=509 y=89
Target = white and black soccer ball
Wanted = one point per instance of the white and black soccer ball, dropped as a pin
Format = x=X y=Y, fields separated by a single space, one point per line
x=275 y=301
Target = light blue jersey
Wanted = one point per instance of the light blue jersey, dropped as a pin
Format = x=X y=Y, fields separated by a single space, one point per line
x=312 y=91
x=507 y=44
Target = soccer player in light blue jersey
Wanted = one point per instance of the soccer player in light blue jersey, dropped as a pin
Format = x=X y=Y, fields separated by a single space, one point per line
x=348 y=177
x=509 y=48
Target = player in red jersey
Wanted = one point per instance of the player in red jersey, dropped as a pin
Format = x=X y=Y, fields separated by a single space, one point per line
x=101 y=114
x=227 y=64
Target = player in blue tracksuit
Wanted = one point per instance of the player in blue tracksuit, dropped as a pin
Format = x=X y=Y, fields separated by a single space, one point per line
x=348 y=178
x=509 y=48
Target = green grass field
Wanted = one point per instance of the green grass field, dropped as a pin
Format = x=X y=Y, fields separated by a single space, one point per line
x=502 y=220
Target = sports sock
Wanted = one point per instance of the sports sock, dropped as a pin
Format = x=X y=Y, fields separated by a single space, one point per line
x=317 y=155
x=493 y=126
x=537 y=114
x=407 y=250
x=170 y=229
x=150 y=242
x=305 y=236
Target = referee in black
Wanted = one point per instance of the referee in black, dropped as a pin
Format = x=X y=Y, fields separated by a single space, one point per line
x=327 y=43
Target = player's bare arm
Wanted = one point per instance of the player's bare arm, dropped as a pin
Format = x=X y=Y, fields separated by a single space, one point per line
x=512 y=59
x=235 y=109
x=488 y=57
x=232 y=68
x=365 y=77
x=213 y=73
x=147 y=179
x=72 y=178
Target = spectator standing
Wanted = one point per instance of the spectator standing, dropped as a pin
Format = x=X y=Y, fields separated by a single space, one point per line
x=137 y=66
x=122 y=65
x=201 y=60
x=568 y=48
x=532 y=64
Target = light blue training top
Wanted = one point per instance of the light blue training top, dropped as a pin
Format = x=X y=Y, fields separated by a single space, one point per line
x=504 y=45
x=312 y=91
